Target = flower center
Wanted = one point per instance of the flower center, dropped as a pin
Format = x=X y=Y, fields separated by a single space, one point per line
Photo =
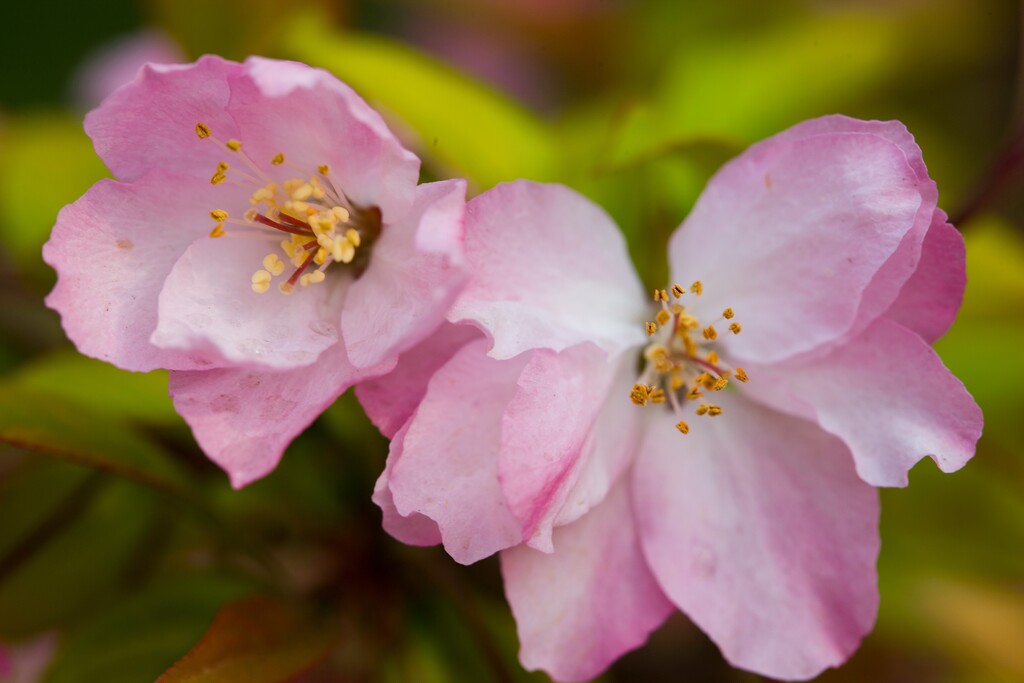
x=322 y=225
x=679 y=365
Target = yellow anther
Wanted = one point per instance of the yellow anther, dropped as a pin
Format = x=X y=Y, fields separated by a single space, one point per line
x=302 y=192
x=222 y=166
x=713 y=358
x=320 y=257
x=697 y=287
x=683 y=427
x=690 y=346
x=202 y=130
x=735 y=328
x=660 y=295
x=728 y=314
x=688 y=322
x=261 y=281
x=677 y=309
x=218 y=231
x=286 y=288
x=702 y=378
x=693 y=394
x=709 y=382
x=719 y=384
x=663 y=317
x=702 y=409
x=639 y=394
x=341 y=212
x=678 y=290
x=651 y=328
x=324 y=169
x=676 y=382
x=657 y=396
x=342 y=250
x=278 y=159
x=353 y=236
x=655 y=351
x=312 y=278
x=218 y=178
x=288 y=247
x=250 y=215
x=219 y=215
x=709 y=333
x=273 y=263
x=233 y=145
x=741 y=375
x=714 y=411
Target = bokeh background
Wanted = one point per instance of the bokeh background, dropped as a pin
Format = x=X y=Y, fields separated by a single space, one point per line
x=120 y=545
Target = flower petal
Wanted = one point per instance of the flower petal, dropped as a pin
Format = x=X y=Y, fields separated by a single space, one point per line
x=549 y=269
x=757 y=527
x=112 y=250
x=544 y=429
x=207 y=299
x=890 y=398
x=929 y=300
x=791 y=234
x=580 y=608
x=416 y=529
x=390 y=400
x=448 y=470
x=244 y=418
x=150 y=122
x=415 y=271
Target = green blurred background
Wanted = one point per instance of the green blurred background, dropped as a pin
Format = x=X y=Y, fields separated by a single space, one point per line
x=120 y=543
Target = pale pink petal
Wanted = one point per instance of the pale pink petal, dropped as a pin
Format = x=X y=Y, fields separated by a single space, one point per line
x=150 y=123
x=757 y=527
x=929 y=300
x=890 y=398
x=208 y=299
x=415 y=271
x=313 y=118
x=544 y=431
x=415 y=529
x=580 y=608
x=792 y=233
x=549 y=269
x=113 y=249
x=390 y=400
x=448 y=469
x=244 y=418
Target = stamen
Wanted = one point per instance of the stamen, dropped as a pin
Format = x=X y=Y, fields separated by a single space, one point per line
x=741 y=375
x=683 y=427
x=639 y=394
x=278 y=159
x=714 y=411
x=324 y=169
x=697 y=287
x=202 y=130
x=702 y=409
x=651 y=329
x=219 y=215
x=735 y=328
x=233 y=145
x=218 y=231
x=663 y=317
x=678 y=291
x=661 y=295
x=261 y=281
x=728 y=314
x=709 y=333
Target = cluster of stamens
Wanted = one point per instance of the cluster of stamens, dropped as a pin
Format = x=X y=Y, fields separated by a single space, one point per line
x=678 y=368
x=322 y=225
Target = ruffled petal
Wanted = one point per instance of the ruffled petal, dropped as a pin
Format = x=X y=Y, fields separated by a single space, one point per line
x=580 y=608
x=544 y=430
x=207 y=299
x=390 y=400
x=792 y=233
x=890 y=398
x=415 y=529
x=757 y=527
x=112 y=250
x=244 y=418
x=549 y=269
x=448 y=469
x=929 y=300
x=415 y=272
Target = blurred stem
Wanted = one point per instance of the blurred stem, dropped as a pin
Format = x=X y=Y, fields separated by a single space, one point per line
x=1005 y=169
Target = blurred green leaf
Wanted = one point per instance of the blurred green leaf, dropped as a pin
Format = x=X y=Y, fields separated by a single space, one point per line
x=464 y=126
x=138 y=636
x=30 y=493
x=258 y=640
x=107 y=390
x=48 y=162
x=76 y=565
x=68 y=430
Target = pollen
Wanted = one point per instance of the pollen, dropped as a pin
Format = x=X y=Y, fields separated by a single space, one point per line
x=741 y=375
x=640 y=394
x=663 y=317
x=657 y=396
x=697 y=287
x=714 y=411
x=702 y=409
x=651 y=329
x=719 y=384
x=278 y=159
x=678 y=291
x=273 y=263
x=217 y=178
x=219 y=215
x=323 y=169
x=261 y=281
x=218 y=231
x=728 y=314
x=713 y=358
x=233 y=145
x=202 y=130
x=661 y=295
x=735 y=328
x=709 y=333
x=683 y=427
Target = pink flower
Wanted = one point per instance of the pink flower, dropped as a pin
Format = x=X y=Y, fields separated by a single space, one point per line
x=723 y=461
x=266 y=242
